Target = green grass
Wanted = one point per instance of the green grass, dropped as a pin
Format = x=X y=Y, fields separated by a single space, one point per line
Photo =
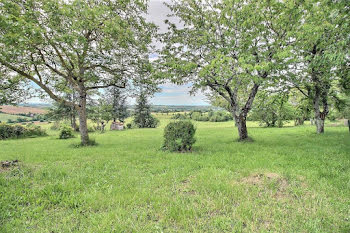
x=4 y=117
x=287 y=180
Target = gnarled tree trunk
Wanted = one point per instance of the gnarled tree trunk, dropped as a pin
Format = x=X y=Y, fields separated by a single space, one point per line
x=242 y=127
x=320 y=116
x=319 y=125
x=84 y=135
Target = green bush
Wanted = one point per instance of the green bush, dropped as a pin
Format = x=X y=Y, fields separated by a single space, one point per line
x=90 y=129
x=66 y=132
x=34 y=130
x=148 y=121
x=19 y=131
x=210 y=116
x=9 y=121
x=129 y=125
x=179 y=136
x=179 y=116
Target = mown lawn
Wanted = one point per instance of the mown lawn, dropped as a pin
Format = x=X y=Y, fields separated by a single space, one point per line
x=287 y=180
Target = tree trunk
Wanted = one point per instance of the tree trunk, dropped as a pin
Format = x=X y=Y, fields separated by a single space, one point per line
x=320 y=125
x=320 y=116
x=84 y=136
x=73 y=122
x=242 y=127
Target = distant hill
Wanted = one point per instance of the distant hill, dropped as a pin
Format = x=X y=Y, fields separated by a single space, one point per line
x=182 y=108
x=21 y=110
x=37 y=105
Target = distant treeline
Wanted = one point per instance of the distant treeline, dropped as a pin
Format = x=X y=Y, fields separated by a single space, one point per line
x=217 y=116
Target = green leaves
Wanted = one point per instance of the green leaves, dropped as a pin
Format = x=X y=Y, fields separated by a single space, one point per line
x=96 y=42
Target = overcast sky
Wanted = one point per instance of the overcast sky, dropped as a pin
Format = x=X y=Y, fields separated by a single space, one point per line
x=171 y=94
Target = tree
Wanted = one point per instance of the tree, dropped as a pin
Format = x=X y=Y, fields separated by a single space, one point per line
x=231 y=47
x=320 y=48
x=302 y=106
x=272 y=108
x=62 y=111
x=100 y=112
x=119 y=104
x=85 y=44
x=142 y=115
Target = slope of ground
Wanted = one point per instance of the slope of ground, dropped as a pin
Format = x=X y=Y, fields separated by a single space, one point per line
x=287 y=180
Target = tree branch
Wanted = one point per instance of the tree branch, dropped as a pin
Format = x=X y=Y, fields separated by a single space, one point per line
x=107 y=85
x=40 y=84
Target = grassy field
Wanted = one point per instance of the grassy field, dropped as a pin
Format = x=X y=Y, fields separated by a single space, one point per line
x=4 y=117
x=287 y=180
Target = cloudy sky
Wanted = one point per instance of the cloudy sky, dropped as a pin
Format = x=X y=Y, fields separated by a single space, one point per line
x=171 y=94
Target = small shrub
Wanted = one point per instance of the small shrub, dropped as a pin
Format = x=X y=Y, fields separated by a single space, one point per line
x=179 y=136
x=66 y=132
x=129 y=125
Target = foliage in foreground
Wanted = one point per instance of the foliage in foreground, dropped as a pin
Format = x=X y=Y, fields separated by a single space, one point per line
x=17 y=131
x=179 y=136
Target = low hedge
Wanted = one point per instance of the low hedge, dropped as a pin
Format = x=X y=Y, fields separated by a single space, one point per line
x=18 y=131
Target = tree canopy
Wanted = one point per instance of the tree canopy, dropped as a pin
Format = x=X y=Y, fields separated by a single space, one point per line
x=231 y=47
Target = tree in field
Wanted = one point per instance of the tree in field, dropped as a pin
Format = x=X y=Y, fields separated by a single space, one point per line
x=231 y=47
x=119 y=104
x=142 y=115
x=320 y=47
x=100 y=112
x=302 y=107
x=272 y=109
x=87 y=45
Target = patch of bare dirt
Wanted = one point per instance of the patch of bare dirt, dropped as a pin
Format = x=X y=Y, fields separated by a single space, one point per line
x=263 y=179
x=7 y=165
x=256 y=179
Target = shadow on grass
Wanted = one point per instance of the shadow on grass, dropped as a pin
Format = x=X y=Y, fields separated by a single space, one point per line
x=91 y=143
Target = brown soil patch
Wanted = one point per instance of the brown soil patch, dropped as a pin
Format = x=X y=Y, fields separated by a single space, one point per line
x=7 y=165
x=262 y=181
x=17 y=110
x=256 y=179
